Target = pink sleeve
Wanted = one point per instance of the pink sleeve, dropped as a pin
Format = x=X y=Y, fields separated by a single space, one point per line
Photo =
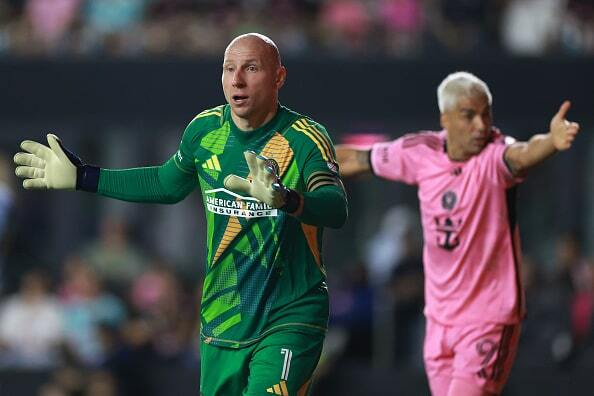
x=390 y=161
x=498 y=170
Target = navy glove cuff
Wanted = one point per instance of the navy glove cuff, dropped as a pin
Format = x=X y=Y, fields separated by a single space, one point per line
x=87 y=176
x=292 y=201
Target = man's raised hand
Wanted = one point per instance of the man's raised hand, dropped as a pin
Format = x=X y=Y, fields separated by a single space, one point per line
x=563 y=131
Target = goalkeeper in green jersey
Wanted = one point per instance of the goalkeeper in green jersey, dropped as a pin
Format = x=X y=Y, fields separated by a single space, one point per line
x=269 y=183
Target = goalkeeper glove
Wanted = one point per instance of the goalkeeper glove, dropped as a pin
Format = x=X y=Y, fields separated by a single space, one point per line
x=265 y=184
x=54 y=167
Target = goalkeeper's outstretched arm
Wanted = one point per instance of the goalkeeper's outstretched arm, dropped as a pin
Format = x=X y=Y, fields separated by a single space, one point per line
x=53 y=167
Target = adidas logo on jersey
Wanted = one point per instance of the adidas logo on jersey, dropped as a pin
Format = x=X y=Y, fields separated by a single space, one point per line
x=212 y=163
x=279 y=389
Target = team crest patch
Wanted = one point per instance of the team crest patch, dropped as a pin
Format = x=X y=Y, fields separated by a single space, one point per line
x=448 y=200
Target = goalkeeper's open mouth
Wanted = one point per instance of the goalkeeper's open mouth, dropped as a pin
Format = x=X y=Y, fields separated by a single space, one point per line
x=239 y=99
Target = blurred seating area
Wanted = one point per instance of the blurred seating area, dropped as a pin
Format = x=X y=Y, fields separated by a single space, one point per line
x=366 y=28
x=99 y=321
x=113 y=319
x=81 y=330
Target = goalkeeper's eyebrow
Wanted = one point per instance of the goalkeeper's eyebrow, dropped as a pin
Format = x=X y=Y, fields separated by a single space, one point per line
x=251 y=61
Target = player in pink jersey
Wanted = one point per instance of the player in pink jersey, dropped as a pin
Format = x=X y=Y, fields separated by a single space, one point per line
x=466 y=175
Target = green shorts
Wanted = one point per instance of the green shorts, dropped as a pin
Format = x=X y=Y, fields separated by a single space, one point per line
x=282 y=363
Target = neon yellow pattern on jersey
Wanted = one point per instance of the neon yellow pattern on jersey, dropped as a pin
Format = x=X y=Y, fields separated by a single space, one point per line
x=215 y=141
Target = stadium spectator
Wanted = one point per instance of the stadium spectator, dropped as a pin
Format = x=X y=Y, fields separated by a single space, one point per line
x=388 y=245
x=403 y=24
x=532 y=27
x=573 y=281
x=158 y=297
x=346 y=25
x=351 y=305
x=113 y=256
x=113 y=26
x=50 y=22
x=32 y=329
x=87 y=309
x=406 y=291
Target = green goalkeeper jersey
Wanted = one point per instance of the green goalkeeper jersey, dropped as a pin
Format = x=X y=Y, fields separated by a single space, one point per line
x=263 y=269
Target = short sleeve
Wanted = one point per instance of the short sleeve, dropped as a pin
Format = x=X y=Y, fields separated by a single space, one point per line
x=497 y=169
x=390 y=160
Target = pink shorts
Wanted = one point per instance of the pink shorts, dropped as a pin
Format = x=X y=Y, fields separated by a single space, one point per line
x=480 y=355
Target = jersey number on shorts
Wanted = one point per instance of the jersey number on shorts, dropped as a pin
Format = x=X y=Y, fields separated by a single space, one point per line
x=287 y=363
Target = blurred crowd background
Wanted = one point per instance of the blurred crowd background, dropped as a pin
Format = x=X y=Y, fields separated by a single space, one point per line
x=394 y=28
x=101 y=298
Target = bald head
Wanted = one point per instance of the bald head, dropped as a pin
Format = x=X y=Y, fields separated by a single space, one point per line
x=252 y=77
x=258 y=41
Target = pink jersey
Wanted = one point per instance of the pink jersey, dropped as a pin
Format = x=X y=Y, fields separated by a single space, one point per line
x=471 y=241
